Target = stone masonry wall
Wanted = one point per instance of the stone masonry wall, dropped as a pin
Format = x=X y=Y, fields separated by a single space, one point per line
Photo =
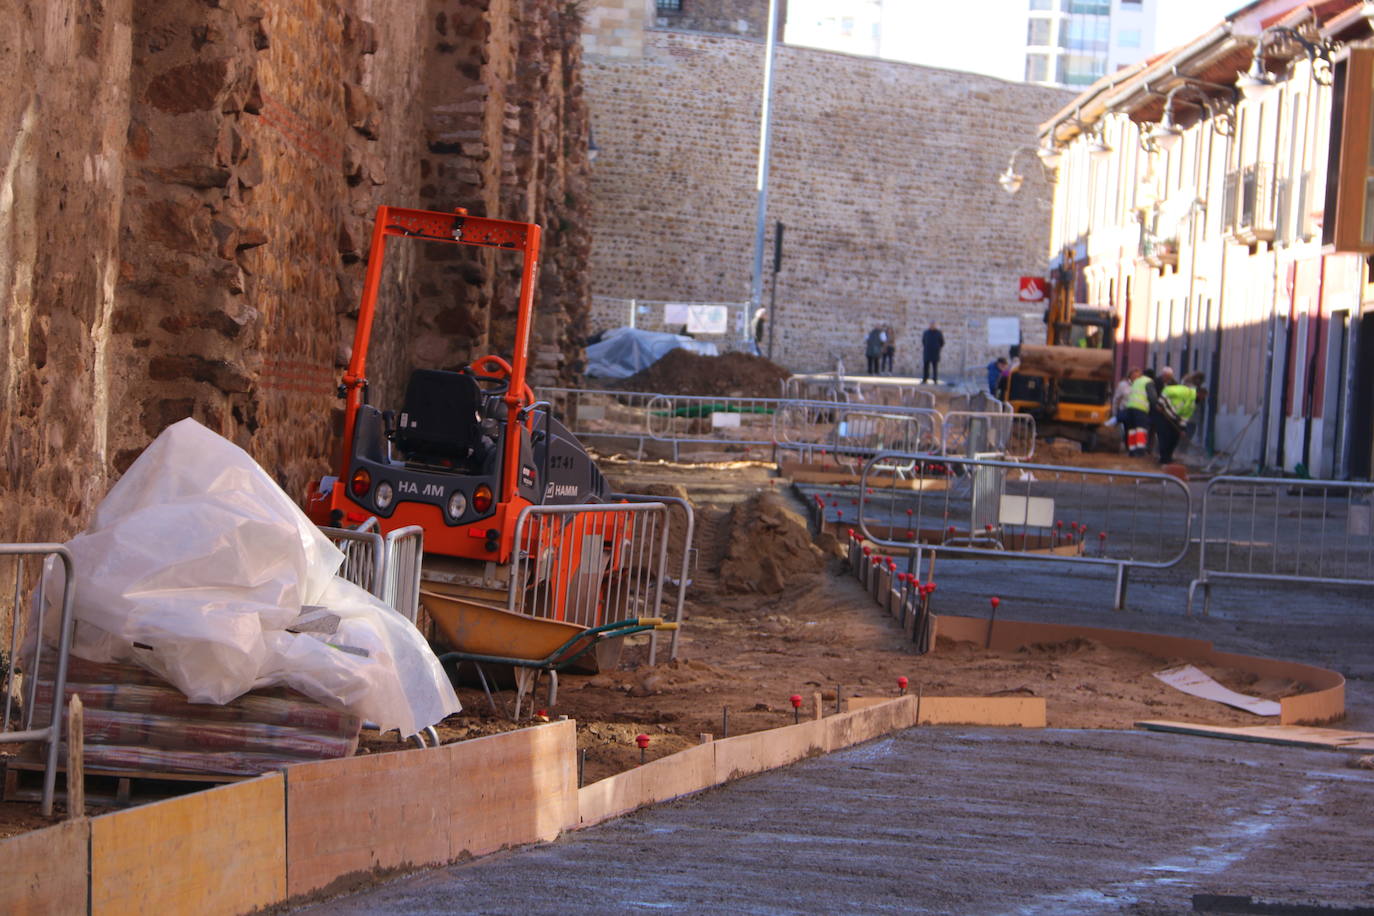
x=187 y=190
x=884 y=174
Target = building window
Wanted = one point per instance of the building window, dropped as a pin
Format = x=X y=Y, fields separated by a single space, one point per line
x=1041 y=5
x=669 y=6
x=1038 y=33
x=1128 y=38
x=1037 y=68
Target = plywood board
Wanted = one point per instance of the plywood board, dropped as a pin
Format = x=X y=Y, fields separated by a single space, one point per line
x=766 y=750
x=1194 y=682
x=659 y=780
x=45 y=871
x=1294 y=735
x=506 y=790
x=218 y=851
x=359 y=814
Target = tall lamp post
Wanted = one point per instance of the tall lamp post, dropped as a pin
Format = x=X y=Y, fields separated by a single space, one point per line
x=761 y=185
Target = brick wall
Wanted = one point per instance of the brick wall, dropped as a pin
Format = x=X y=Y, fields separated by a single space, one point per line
x=193 y=188
x=884 y=174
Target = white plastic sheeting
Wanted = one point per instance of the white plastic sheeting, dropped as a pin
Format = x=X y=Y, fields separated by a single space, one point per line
x=197 y=564
x=622 y=352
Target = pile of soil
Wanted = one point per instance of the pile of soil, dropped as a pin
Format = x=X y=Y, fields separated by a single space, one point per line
x=770 y=548
x=727 y=375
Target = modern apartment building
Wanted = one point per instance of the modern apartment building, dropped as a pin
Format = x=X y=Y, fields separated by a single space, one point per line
x=1073 y=43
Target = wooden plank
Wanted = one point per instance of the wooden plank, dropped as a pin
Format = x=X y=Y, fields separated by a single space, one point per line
x=44 y=871
x=670 y=777
x=758 y=751
x=868 y=720
x=510 y=789
x=1013 y=712
x=219 y=851
x=1331 y=739
x=350 y=817
x=76 y=779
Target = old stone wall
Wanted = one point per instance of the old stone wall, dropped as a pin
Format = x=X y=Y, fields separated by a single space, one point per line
x=186 y=198
x=884 y=174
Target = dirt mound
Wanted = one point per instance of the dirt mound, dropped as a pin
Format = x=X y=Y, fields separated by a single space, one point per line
x=730 y=374
x=770 y=547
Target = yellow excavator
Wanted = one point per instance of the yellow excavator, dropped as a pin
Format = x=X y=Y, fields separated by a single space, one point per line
x=1066 y=384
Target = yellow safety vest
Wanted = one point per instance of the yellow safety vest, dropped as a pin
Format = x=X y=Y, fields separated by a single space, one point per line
x=1138 y=399
x=1183 y=398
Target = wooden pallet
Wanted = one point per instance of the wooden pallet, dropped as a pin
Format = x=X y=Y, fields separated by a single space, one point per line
x=24 y=782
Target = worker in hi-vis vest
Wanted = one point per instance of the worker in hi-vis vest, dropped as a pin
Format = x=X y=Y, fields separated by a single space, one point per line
x=1137 y=419
x=1177 y=402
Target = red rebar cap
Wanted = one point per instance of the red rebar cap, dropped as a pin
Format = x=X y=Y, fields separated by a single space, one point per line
x=995 y=601
x=902 y=682
x=642 y=740
x=795 y=699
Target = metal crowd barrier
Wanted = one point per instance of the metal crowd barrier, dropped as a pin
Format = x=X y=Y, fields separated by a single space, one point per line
x=1285 y=530
x=590 y=564
x=681 y=556
x=364 y=556
x=850 y=389
x=979 y=402
x=51 y=733
x=1018 y=511
x=683 y=421
x=967 y=432
x=405 y=551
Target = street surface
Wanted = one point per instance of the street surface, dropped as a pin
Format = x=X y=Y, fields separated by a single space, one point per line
x=960 y=820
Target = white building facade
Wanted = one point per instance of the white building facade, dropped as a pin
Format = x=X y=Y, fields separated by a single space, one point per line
x=1226 y=221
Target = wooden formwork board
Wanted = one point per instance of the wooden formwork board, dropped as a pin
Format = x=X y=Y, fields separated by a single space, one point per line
x=810 y=472
x=767 y=750
x=506 y=790
x=218 y=851
x=687 y=771
x=867 y=721
x=1324 y=701
x=1020 y=712
x=412 y=808
x=359 y=814
x=44 y=871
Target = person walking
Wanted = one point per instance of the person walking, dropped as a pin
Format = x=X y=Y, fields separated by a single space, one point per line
x=1137 y=413
x=889 y=349
x=932 y=342
x=1174 y=409
x=757 y=326
x=873 y=349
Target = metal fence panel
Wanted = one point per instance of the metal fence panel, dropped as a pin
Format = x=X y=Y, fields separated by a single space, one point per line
x=405 y=551
x=969 y=432
x=590 y=564
x=1288 y=530
x=1038 y=512
x=364 y=558
x=51 y=731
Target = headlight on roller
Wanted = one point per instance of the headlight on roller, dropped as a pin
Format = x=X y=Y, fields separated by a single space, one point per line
x=384 y=495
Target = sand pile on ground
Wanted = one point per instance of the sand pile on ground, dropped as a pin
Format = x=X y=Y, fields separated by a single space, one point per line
x=770 y=547
x=727 y=375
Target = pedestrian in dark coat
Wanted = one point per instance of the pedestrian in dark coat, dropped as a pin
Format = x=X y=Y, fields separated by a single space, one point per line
x=932 y=342
x=873 y=349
